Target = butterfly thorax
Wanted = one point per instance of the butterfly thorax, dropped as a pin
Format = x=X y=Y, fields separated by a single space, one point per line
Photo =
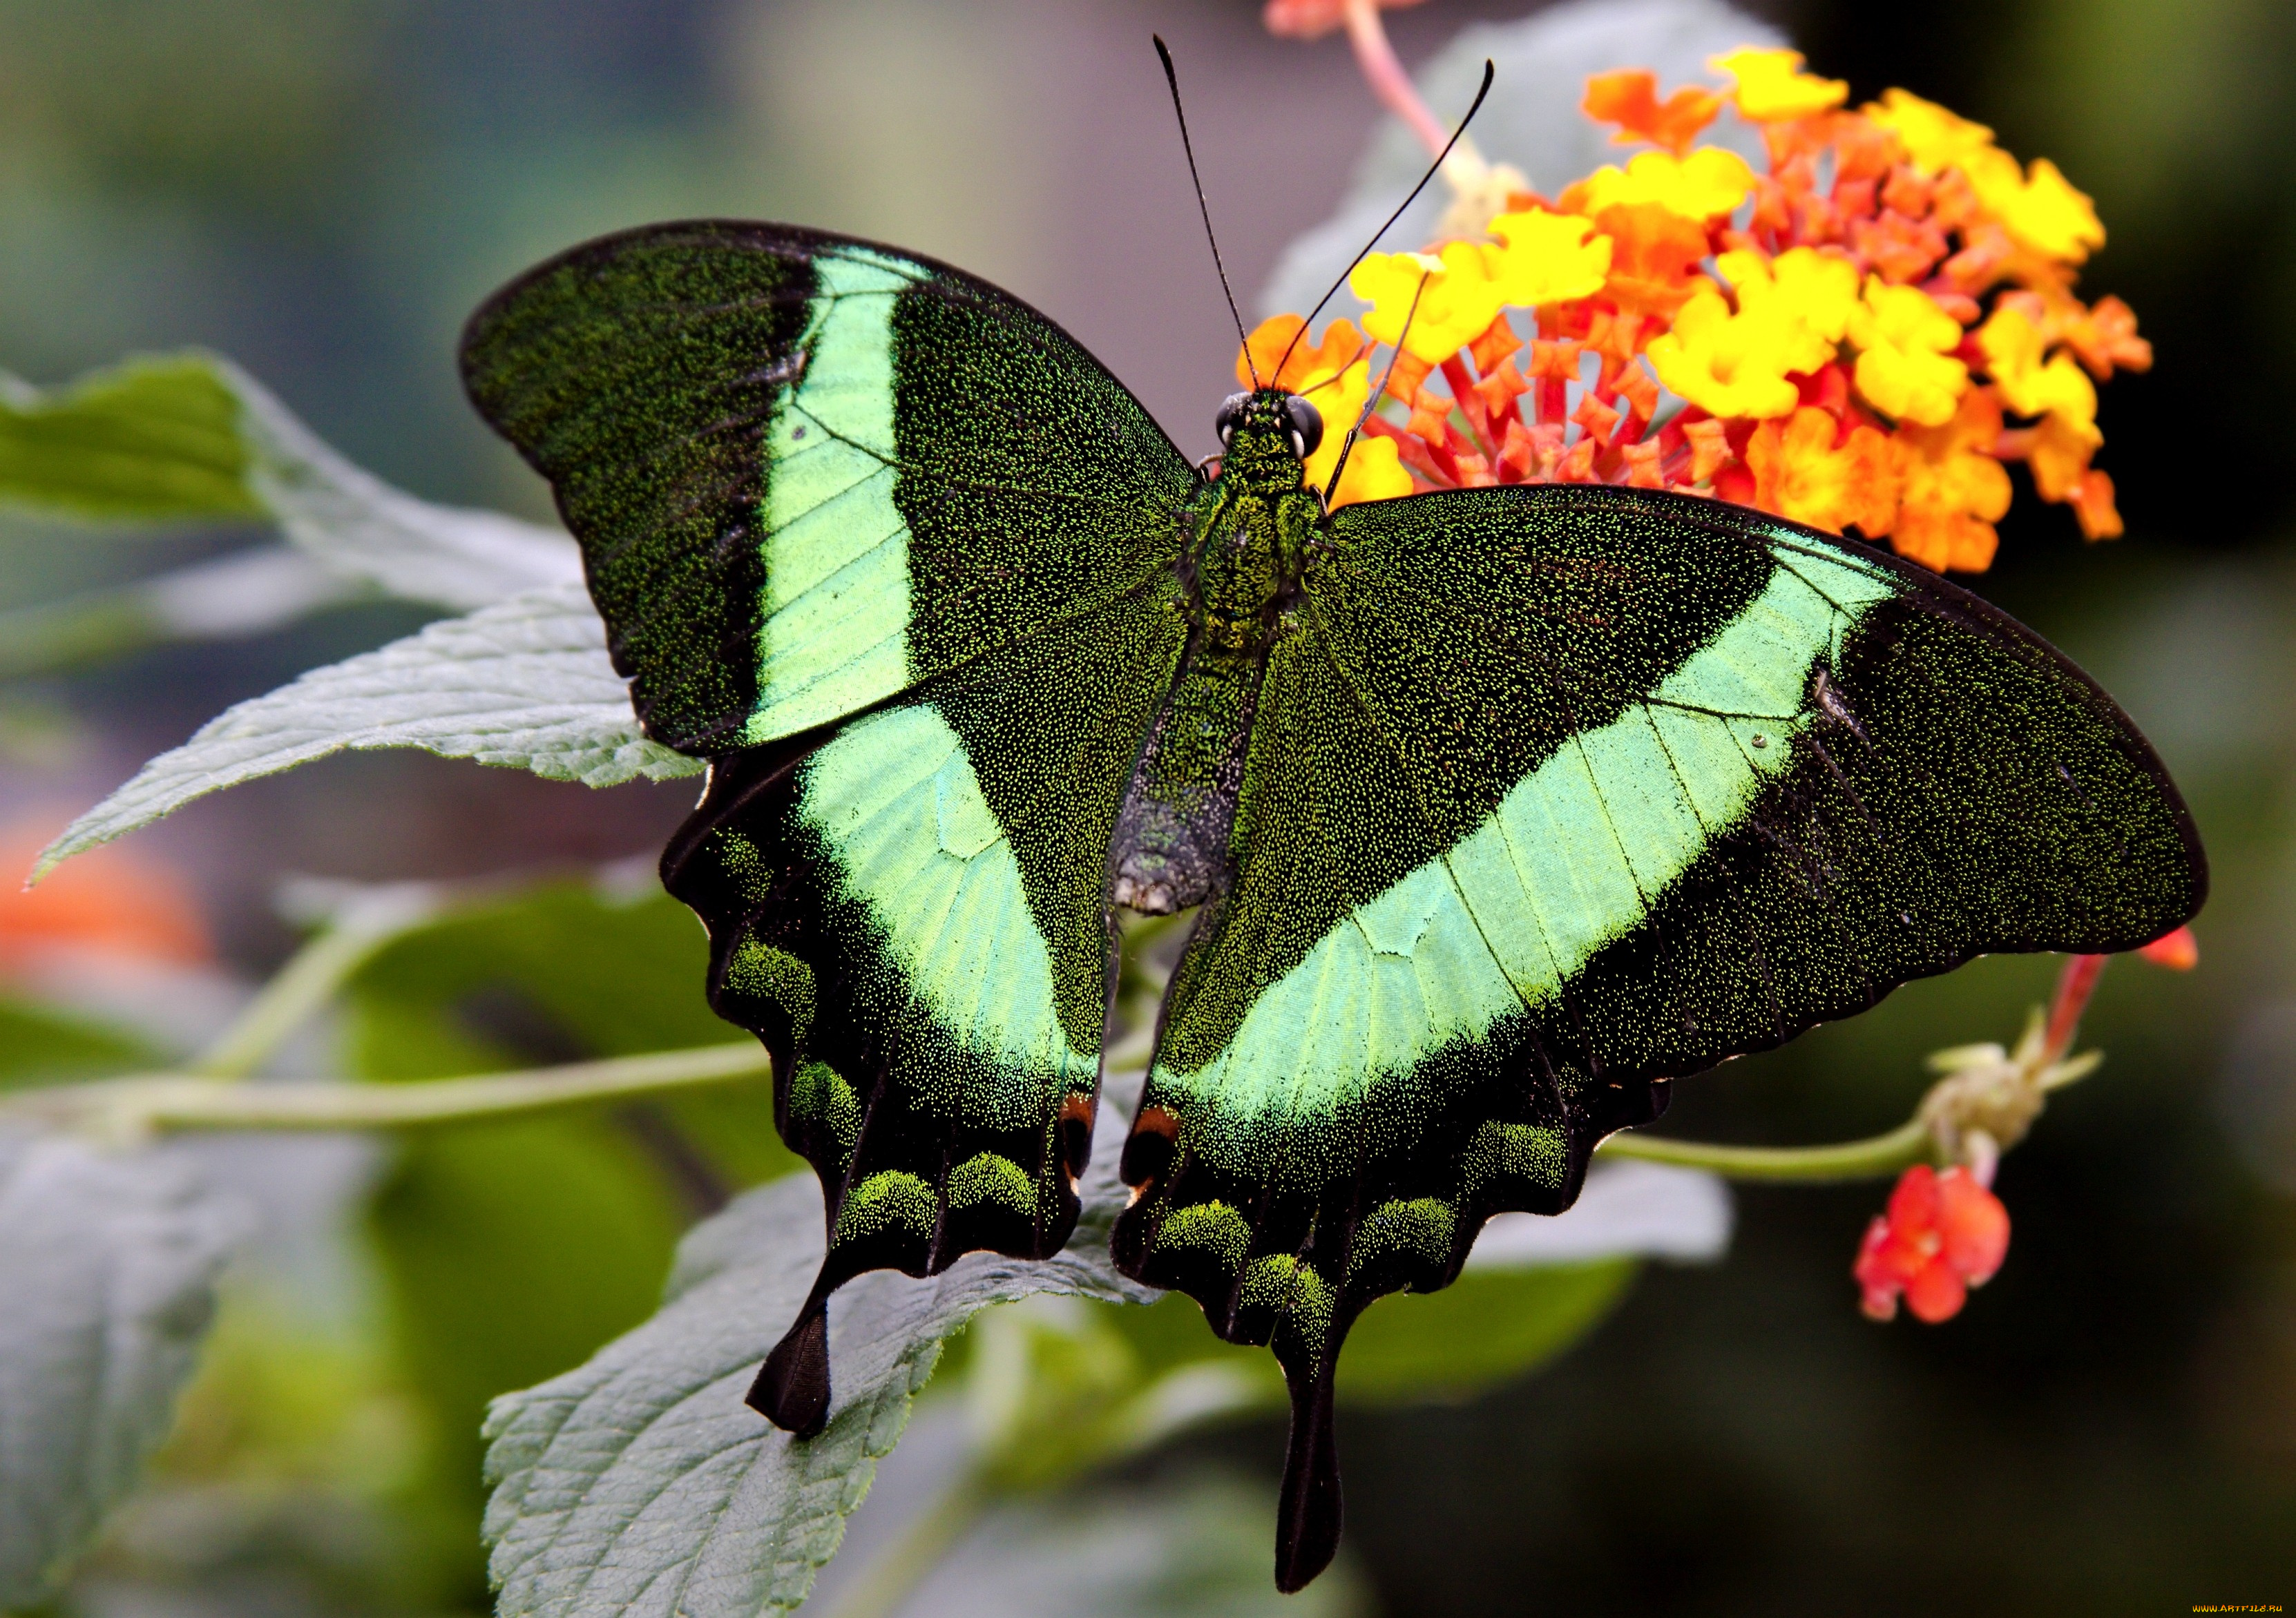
x=1251 y=524
x=1249 y=533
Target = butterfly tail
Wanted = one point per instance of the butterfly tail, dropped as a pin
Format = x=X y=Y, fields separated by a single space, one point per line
x=792 y=1386
x=1309 y=1518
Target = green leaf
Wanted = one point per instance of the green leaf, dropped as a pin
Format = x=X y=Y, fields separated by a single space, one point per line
x=570 y=970
x=1487 y=1328
x=641 y=1483
x=364 y=528
x=243 y=594
x=153 y=440
x=106 y=1269
x=513 y=1250
x=191 y=436
x=41 y=1045
x=524 y=683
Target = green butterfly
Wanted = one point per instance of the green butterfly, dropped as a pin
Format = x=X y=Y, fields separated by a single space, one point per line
x=1503 y=807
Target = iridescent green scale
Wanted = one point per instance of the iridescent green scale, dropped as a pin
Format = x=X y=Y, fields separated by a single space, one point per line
x=1500 y=809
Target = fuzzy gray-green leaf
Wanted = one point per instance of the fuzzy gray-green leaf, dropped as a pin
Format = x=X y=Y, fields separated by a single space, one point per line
x=525 y=683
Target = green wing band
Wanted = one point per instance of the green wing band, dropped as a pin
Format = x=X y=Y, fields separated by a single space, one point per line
x=910 y=910
x=808 y=472
x=1519 y=840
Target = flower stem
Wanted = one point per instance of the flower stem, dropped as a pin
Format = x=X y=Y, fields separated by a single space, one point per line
x=310 y=978
x=138 y=1106
x=1382 y=70
x=2075 y=984
x=1876 y=1158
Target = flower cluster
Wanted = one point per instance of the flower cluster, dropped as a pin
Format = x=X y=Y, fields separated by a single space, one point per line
x=1858 y=336
x=1942 y=1235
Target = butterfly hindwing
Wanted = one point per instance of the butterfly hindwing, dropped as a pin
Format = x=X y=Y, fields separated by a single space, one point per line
x=910 y=910
x=808 y=472
x=1555 y=794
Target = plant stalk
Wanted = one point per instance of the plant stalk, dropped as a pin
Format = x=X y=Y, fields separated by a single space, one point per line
x=162 y=1103
x=1875 y=1157
x=297 y=991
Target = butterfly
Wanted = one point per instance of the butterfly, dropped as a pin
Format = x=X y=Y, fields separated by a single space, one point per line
x=1499 y=808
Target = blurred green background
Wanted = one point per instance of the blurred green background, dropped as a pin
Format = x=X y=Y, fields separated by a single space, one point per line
x=323 y=191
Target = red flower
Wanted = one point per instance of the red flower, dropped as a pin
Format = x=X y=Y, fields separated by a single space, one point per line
x=1942 y=1235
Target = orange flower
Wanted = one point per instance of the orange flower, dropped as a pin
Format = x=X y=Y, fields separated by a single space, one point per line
x=109 y=901
x=1955 y=490
x=1801 y=472
x=1819 y=320
x=1942 y=1235
x=1342 y=344
x=2058 y=451
x=1629 y=98
x=1654 y=258
x=1771 y=85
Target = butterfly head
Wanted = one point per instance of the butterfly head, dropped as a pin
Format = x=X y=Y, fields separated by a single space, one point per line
x=1265 y=435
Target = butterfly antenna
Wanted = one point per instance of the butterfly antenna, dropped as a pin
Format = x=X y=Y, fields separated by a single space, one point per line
x=1489 y=71
x=1378 y=393
x=1172 y=78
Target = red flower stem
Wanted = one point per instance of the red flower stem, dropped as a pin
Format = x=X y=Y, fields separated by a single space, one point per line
x=1384 y=73
x=2075 y=984
x=1471 y=405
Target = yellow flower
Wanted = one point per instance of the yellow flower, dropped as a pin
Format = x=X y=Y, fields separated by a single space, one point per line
x=1905 y=364
x=1771 y=85
x=2030 y=387
x=2044 y=212
x=1709 y=182
x=2041 y=210
x=1728 y=366
x=1337 y=396
x=1459 y=303
x=1546 y=258
x=1803 y=295
x=1374 y=471
x=1934 y=138
x=1791 y=315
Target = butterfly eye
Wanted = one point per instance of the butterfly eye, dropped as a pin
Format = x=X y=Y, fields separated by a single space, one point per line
x=1230 y=416
x=1306 y=425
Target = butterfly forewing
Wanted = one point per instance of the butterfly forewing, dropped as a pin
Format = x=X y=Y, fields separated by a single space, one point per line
x=808 y=472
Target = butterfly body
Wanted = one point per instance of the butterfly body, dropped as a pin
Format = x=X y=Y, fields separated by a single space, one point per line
x=1500 y=808
x=1248 y=540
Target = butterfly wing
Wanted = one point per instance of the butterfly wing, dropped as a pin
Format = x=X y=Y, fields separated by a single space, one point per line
x=1557 y=792
x=808 y=472
x=911 y=910
x=898 y=555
